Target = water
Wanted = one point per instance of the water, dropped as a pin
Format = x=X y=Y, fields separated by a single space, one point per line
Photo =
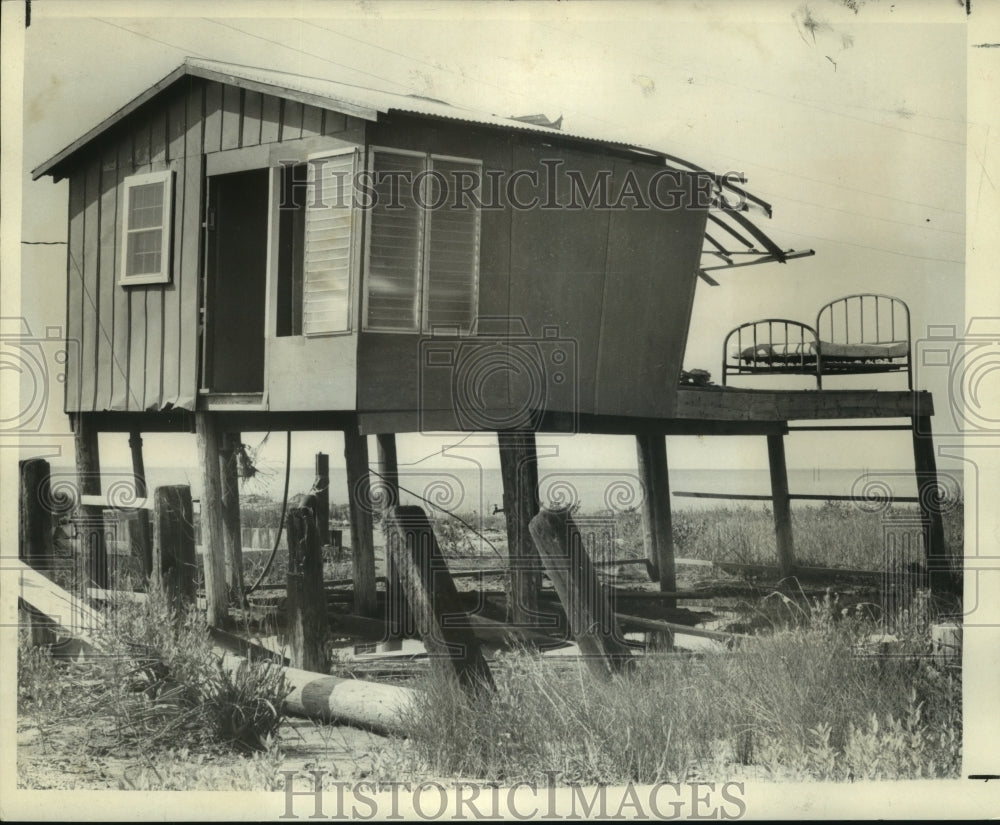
x=467 y=489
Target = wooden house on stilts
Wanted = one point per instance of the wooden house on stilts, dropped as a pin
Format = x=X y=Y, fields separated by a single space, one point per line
x=252 y=250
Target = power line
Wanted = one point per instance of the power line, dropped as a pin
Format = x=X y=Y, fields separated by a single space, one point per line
x=308 y=54
x=417 y=60
x=790 y=99
x=784 y=198
x=147 y=37
x=795 y=100
x=873 y=248
x=856 y=189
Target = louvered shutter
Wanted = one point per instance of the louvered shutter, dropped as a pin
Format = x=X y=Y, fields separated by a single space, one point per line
x=452 y=290
x=329 y=244
x=395 y=244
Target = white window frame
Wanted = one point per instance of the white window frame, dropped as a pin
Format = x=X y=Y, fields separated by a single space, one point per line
x=166 y=177
x=350 y=192
x=422 y=325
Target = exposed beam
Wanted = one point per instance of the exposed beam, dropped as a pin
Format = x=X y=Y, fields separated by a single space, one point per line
x=731 y=404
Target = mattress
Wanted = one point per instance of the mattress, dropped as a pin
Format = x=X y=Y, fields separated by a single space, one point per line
x=805 y=351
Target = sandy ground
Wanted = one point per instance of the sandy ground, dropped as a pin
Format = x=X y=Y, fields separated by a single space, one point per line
x=73 y=757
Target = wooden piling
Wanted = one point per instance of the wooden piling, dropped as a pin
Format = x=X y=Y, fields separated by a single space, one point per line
x=362 y=537
x=925 y=466
x=174 y=558
x=781 y=504
x=321 y=492
x=34 y=537
x=306 y=604
x=397 y=611
x=90 y=519
x=586 y=601
x=658 y=536
x=519 y=471
x=231 y=529
x=433 y=598
x=212 y=542
x=141 y=529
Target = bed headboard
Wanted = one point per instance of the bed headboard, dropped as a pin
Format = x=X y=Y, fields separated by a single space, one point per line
x=768 y=346
x=865 y=318
x=868 y=318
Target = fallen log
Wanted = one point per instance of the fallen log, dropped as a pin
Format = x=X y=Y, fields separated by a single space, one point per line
x=354 y=702
x=639 y=622
x=809 y=574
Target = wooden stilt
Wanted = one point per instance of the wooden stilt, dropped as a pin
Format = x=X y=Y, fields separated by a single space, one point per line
x=658 y=536
x=584 y=597
x=306 y=605
x=142 y=542
x=34 y=546
x=925 y=465
x=433 y=597
x=397 y=610
x=362 y=538
x=321 y=493
x=781 y=504
x=519 y=470
x=90 y=519
x=212 y=542
x=174 y=558
x=231 y=528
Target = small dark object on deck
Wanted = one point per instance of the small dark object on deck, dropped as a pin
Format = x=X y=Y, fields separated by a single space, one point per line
x=696 y=378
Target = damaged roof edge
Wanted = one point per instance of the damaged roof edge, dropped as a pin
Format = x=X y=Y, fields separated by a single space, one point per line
x=363 y=103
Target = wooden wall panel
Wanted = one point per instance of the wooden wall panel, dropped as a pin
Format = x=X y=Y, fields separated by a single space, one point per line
x=213 y=117
x=74 y=292
x=91 y=282
x=108 y=277
x=312 y=121
x=270 y=119
x=232 y=103
x=652 y=263
x=334 y=122
x=291 y=120
x=141 y=147
x=122 y=301
x=251 y=118
x=158 y=137
x=176 y=125
x=557 y=275
x=187 y=268
x=176 y=130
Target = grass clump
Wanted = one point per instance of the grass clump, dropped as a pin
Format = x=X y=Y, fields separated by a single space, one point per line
x=156 y=693
x=801 y=703
x=168 y=685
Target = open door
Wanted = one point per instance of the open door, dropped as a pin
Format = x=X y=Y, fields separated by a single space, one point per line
x=235 y=291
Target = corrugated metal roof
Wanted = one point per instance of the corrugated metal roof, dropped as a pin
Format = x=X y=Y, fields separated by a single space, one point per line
x=359 y=101
x=368 y=103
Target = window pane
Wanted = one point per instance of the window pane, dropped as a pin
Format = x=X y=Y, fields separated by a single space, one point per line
x=395 y=249
x=143 y=253
x=453 y=255
x=145 y=208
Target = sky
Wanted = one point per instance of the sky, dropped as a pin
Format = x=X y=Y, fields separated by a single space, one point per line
x=852 y=125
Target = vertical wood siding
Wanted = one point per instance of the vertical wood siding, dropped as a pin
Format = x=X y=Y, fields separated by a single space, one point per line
x=138 y=346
